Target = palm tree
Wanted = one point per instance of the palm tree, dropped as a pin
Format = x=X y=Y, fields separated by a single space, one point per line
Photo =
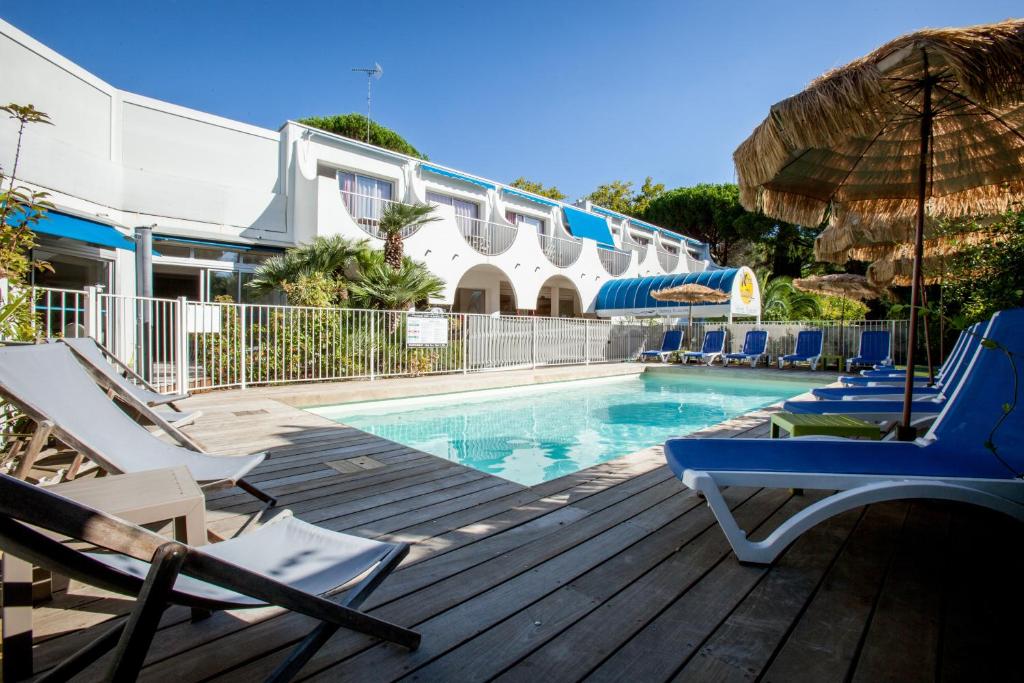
x=335 y=257
x=381 y=286
x=394 y=219
x=780 y=300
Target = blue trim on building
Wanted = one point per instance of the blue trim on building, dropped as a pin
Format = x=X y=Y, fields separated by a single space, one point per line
x=458 y=176
x=530 y=197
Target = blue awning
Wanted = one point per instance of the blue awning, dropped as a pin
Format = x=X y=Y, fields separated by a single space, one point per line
x=583 y=224
x=668 y=233
x=71 y=227
x=529 y=197
x=618 y=297
x=458 y=176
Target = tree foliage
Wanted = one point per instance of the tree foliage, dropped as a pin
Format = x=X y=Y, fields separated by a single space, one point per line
x=988 y=277
x=780 y=300
x=619 y=196
x=354 y=126
x=538 y=188
x=712 y=214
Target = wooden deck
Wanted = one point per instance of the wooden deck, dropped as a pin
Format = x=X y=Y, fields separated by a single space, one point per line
x=613 y=573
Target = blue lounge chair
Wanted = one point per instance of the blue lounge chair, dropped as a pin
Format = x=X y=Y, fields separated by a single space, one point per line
x=889 y=407
x=808 y=349
x=754 y=344
x=891 y=371
x=969 y=339
x=890 y=388
x=671 y=342
x=952 y=461
x=875 y=349
x=714 y=347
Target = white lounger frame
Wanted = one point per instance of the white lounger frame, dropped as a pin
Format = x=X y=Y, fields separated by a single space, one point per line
x=1001 y=495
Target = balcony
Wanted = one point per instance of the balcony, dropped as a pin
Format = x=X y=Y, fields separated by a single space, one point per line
x=668 y=259
x=489 y=239
x=366 y=212
x=560 y=251
x=615 y=261
x=630 y=244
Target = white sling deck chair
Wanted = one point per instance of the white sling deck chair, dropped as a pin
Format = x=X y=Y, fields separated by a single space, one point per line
x=287 y=562
x=970 y=454
x=126 y=381
x=55 y=390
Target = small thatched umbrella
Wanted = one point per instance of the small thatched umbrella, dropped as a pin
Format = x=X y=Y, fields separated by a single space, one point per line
x=930 y=124
x=691 y=294
x=847 y=286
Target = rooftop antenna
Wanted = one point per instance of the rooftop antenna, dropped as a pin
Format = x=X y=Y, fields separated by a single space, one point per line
x=371 y=73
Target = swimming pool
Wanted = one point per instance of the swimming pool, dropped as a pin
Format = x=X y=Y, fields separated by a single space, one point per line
x=542 y=432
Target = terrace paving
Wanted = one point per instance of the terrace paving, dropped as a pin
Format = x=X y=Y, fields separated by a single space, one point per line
x=612 y=573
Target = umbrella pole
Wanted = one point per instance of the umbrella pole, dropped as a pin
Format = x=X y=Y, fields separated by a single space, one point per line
x=905 y=432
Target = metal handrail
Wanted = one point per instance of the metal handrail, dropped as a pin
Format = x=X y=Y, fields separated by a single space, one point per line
x=366 y=211
x=615 y=261
x=667 y=259
x=560 y=251
x=489 y=239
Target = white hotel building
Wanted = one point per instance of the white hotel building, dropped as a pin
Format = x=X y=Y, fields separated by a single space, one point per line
x=224 y=195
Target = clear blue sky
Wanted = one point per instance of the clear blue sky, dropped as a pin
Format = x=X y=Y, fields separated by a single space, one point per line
x=568 y=93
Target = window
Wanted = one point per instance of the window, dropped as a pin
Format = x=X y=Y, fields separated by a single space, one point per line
x=222 y=284
x=670 y=248
x=538 y=224
x=467 y=214
x=364 y=196
x=641 y=240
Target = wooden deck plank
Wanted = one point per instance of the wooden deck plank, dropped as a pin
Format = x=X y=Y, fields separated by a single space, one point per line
x=824 y=643
x=909 y=607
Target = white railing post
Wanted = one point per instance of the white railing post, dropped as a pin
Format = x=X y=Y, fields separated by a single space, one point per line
x=243 y=328
x=373 y=345
x=92 y=313
x=181 y=346
x=465 y=343
x=586 y=342
x=533 y=343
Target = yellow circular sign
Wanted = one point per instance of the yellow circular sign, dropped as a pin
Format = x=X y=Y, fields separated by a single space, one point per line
x=747 y=288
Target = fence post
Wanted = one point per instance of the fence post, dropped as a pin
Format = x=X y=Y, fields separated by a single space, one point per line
x=465 y=342
x=373 y=344
x=181 y=346
x=243 y=361
x=586 y=341
x=533 y=343
x=92 y=313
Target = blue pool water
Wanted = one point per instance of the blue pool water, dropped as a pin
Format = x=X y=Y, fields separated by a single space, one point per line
x=530 y=435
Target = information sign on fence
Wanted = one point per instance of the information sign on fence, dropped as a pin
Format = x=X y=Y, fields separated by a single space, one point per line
x=424 y=329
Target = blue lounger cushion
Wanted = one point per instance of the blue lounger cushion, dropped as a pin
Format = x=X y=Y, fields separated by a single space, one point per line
x=838 y=393
x=811 y=455
x=866 y=406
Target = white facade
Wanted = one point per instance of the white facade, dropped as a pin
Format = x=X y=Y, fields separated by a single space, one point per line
x=128 y=160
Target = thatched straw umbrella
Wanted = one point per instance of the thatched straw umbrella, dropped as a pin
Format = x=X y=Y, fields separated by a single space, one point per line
x=691 y=294
x=929 y=125
x=847 y=286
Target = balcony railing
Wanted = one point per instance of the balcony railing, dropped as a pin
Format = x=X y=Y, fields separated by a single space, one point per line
x=615 y=261
x=366 y=212
x=668 y=259
x=490 y=239
x=632 y=245
x=561 y=252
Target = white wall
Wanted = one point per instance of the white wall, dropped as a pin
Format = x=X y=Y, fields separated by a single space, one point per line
x=133 y=160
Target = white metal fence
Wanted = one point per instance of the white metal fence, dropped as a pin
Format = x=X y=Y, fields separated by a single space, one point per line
x=181 y=345
x=668 y=259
